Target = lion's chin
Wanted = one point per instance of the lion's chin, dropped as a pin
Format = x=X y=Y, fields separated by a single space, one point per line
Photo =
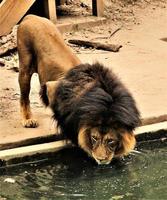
x=102 y=162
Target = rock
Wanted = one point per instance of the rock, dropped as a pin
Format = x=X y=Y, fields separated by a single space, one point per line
x=10 y=180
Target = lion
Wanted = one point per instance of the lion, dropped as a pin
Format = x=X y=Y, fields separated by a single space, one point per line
x=92 y=107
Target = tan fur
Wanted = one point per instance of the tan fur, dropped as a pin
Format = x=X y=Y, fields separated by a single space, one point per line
x=41 y=49
x=26 y=113
x=51 y=85
x=127 y=144
x=81 y=90
x=101 y=153
x=83 y=141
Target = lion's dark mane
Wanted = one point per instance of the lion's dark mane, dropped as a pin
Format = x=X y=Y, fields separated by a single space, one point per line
x=92 y=96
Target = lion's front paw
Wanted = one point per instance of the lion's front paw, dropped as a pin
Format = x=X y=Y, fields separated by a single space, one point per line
x=30 y=123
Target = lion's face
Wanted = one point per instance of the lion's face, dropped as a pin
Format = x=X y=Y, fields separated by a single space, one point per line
x=103 y=147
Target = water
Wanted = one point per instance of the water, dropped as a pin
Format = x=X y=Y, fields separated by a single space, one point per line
x=70 y=175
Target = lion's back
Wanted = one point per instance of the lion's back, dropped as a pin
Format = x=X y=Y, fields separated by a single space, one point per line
x=37 y=32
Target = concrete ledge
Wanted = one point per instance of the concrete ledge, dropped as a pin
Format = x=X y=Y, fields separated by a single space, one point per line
x=80 y=24
x=20 y=152
x=31 y=141
x=51 y=147
x=151 y=128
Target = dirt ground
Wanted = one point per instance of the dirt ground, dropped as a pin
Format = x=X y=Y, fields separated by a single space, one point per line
x=141 y=64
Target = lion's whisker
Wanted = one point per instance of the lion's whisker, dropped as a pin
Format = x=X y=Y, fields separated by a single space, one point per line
x=135 y=152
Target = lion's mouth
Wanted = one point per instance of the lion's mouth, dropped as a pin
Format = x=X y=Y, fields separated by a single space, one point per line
x=102 y=162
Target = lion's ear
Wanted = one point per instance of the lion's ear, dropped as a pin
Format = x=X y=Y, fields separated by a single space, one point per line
x=47 y=92
x=127 y=144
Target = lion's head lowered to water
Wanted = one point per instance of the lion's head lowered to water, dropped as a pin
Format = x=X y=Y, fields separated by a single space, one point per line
x=95 y=111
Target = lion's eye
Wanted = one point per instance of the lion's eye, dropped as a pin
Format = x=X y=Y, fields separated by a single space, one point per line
x=111 y=143
x=94 y=139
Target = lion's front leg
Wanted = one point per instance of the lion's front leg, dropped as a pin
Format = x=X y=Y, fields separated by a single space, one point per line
x=27 y=120
x=24 y=82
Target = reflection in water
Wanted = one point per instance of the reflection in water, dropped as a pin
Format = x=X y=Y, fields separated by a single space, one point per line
x=72 y=176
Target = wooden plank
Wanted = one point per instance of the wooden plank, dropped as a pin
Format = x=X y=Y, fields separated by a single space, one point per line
x=98 y=7
x=33 y=150
x=50 y=10
x=11 y=11
x=96 y=45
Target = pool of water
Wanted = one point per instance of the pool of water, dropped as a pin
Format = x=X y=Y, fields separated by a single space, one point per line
x=70 y=175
